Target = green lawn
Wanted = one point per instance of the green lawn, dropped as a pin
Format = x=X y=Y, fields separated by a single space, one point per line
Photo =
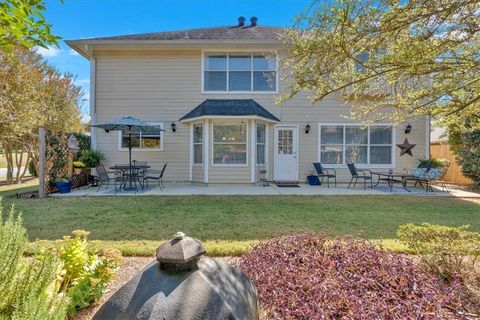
x=235 y=219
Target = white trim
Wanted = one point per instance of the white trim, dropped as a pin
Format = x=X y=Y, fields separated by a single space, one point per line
x=228 y=52
x=155 y=123
x=359 y=165
x=247 y=140
x=240 y=118
x=190 y=164
x=253 y=146
x=93 y=112
x=267 y=150
x=205 y=150
x=275 y=145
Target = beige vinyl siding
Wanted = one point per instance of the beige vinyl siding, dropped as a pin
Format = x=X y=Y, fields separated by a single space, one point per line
x=162 y=86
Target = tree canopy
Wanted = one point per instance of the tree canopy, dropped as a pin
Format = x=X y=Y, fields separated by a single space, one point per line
x=391 y=59
x=32 y=95
x=22 y=23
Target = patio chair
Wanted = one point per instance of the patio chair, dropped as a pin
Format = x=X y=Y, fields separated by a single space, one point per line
x=104 y=176
x=156 y=175
x=140 y=173
x=360 y=174
x=325 y=173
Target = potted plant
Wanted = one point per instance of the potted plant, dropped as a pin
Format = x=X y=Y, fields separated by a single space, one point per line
x=64 y=185
x=78 y=167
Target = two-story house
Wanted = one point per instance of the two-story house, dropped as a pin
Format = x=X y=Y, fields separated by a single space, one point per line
x=213 y=90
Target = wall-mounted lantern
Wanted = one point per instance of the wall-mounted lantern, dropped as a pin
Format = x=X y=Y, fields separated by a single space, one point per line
x=173 y=126
x=408 y=128
x=307 y=128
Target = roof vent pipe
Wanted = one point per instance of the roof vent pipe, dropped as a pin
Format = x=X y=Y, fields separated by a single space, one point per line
x=253 y=21
x=241 y=21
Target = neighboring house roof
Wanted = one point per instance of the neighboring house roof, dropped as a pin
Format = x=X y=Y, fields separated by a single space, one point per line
x=227 y=108
x=214 y=33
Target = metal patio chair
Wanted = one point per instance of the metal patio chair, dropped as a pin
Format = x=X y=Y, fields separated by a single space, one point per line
x=323 y=173
x=360 y=174
x=156 y=175
x=105 y=176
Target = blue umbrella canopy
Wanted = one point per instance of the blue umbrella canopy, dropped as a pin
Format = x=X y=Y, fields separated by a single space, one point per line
x=131 y=124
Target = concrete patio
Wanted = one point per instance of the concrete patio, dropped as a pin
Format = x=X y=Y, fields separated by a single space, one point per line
x=182 y=189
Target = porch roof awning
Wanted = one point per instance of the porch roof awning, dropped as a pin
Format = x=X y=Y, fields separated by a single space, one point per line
x=228 y=108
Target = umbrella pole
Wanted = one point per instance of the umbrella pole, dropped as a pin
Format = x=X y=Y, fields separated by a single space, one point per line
x=130 y=157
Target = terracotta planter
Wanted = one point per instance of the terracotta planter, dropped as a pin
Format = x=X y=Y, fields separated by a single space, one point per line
x=77 y=170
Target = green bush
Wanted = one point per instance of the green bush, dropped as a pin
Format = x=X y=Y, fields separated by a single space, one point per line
x=450 y=253
x=433 y=163
x=86 y=275
x=28 y=289
x=469 y=156
x=31 y=168
x=92 y=157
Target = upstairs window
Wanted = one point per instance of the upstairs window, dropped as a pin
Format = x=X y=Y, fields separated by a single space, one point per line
x=239 y=72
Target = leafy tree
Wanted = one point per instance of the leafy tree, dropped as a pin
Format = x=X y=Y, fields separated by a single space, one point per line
x=22 y=23
x=390 y=59
x=466 y=145
x=32 y=94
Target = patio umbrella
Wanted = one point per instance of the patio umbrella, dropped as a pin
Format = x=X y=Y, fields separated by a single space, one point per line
x=133 y=125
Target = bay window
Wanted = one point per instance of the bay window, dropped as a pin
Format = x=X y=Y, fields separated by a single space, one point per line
x=198 y=144
x=239 y=72
x=347 y=143
x=229 y=144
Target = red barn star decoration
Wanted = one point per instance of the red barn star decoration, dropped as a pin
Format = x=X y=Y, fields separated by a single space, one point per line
x=406 y=147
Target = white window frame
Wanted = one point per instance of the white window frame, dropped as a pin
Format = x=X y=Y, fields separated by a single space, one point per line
x=197 y=143
x=264 y=144
x=243 y=165
x=228 y=52
x=121 y=149
x=359 y=165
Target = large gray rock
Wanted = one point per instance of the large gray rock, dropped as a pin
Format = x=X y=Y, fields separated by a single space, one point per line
x=211 y=289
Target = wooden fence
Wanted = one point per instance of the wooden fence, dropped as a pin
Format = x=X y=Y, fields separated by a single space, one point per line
x=441 y=150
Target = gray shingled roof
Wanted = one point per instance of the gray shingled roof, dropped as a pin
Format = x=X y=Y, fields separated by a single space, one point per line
x=229 y=107
x=215 y=33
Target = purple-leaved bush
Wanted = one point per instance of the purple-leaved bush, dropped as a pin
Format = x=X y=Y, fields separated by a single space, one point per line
x=310 y=276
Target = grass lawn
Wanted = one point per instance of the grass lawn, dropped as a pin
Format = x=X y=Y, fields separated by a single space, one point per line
x=235 y=221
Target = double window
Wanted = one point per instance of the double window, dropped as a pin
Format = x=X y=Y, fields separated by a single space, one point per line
x=148 y=139
x=230 y=144
x=198 y=143
x=239 y=72
x=372 y=145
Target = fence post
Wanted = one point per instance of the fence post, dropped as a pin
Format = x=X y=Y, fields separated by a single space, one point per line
x=41 y=164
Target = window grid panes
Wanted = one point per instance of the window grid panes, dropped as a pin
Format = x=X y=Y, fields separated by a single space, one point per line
x=229 y=144
x=261 y=138
x=285 y=141
x=340 y=144
x=239 y=72
x=148 y=139
x=198 y=144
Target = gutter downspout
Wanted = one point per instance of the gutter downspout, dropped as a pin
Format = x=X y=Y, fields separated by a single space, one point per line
x=93 y=89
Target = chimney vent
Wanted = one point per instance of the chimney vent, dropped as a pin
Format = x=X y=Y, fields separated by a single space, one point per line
x=253 y=21
x=241 y=21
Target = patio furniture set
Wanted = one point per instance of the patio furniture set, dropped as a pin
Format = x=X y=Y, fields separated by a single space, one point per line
x=424 y=177
x=129 y=177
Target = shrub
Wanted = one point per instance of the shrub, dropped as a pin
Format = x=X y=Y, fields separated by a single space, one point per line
x=434 y=163
x=449 y=253
x=91 y=158
x=86 y=275
x=28 y=289
x=31 y=168
x=306 y=276
x=466 y=146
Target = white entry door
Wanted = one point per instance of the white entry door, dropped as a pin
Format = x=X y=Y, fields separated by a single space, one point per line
x=285 y=158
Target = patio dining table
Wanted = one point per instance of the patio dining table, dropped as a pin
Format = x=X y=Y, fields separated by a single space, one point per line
x=390 y=178
x=130 y=171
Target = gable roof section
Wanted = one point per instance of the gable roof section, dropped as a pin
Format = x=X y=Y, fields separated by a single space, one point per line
x=214 y=33
x=229 y=108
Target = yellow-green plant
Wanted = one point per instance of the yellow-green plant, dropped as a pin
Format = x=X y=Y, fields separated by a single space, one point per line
x=86 y=275
x=28 y=288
